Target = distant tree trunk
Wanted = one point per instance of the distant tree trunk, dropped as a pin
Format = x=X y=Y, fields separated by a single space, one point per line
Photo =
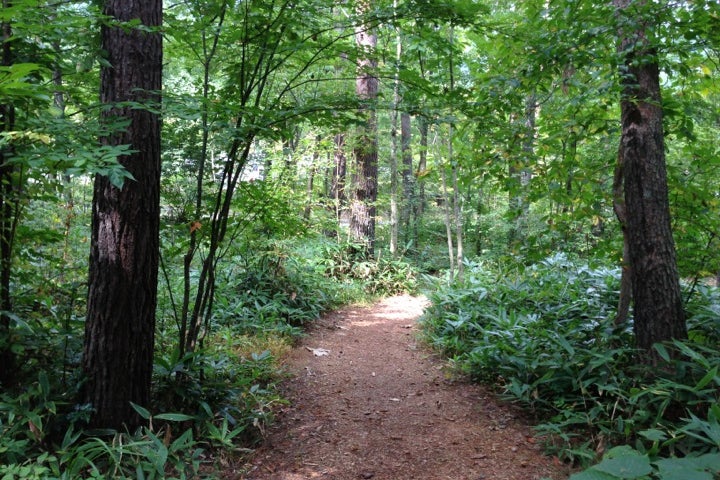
x=7 y=220
x=658 y=313
x=311 y=179
x=569 y=148
x=337 y=190
x=456 y=207
x=457 y=214
x=448 y=223
x=520 y=175
x=122 y=295
x=421 y=171
x=394 y=182
x=365 y=155
x=408 y=179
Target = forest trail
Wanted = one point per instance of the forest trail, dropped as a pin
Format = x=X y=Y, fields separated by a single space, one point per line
x=368 y=402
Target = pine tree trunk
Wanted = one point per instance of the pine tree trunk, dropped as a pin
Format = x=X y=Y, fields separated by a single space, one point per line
x=122 y=295
x=658 y=309
x=365 y=154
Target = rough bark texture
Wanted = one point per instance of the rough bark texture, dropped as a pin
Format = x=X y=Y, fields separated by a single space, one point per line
x=7 y=202
x=362 y=220
x=658 y=312
x=122 y=296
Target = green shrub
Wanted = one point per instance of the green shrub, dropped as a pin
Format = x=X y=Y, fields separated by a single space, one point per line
x=378 y=277
x=272 y=291
x=544 y=336
x=218 y=390
x=624 y=462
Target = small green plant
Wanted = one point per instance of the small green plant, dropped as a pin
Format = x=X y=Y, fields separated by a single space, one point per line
x=625 y=462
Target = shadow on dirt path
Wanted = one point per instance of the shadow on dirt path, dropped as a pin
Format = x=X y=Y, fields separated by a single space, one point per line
x=367 y=402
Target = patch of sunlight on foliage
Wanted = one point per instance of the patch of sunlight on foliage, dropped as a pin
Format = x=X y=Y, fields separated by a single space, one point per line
x=244 y=346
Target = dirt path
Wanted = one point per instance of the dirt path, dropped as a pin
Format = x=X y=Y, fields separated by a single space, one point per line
x=368 y=402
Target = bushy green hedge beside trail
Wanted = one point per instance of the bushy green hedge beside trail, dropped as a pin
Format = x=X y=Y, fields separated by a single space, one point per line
x=544 y=337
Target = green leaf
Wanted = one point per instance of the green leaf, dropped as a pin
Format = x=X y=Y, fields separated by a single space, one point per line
x=182 y=442
x=591 y=474
x=654 y=435
x=662 y=351
x=709 y=376
x=143 y=412
x=174 y=417
x=687 y=468
x=709 y=461
x=625 y=462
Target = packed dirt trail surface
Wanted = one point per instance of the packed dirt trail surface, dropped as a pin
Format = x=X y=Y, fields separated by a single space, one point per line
x=368 y=402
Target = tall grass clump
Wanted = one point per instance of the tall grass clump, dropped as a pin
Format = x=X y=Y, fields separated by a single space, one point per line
x=544 y=337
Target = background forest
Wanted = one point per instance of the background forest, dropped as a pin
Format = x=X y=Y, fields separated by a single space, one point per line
x=317 y=153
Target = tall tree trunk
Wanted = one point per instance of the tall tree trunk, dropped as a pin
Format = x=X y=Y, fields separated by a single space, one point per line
x=363 y=208
x=337 y=191
x=448 y=223
x=420 y=201
x=67 y=193
x=457 y=214
x=122 y=295
x=408 y=179
x=7 y=220
x=311 y=179
x=394 y=183
x=454 y=171
x=521 y=175
x=658 y=309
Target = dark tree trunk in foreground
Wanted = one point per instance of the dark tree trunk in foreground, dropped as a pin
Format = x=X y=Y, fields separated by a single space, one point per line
x=122 y=295
x=7 y=220
x=658 y=310
x=365 y=154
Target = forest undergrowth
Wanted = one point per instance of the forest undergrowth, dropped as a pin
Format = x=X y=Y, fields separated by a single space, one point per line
x=544 y=336
x=210 y=405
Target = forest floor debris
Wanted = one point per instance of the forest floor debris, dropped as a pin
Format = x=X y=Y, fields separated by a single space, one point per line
x=381 y=406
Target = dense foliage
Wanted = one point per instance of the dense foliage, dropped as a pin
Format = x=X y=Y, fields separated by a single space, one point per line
x=544 y=336
x=505 y=157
